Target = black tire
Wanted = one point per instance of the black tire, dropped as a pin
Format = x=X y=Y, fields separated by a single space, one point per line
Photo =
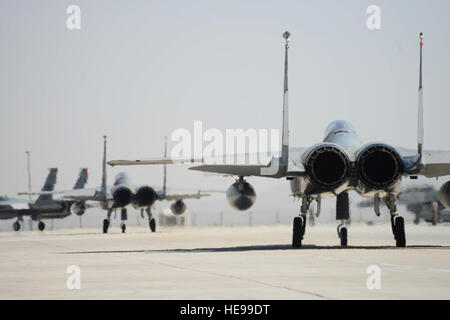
x=152 y=225
x=16 y=226
x=41 y=226
x=343 y=236
x=123 y=227
x=105 y=225
x=400 y=237
x=297 y=232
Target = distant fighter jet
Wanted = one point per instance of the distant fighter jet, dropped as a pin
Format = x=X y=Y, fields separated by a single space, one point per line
x=338 y=164
x=44 y=207
x=123 y=193
x=423 y=202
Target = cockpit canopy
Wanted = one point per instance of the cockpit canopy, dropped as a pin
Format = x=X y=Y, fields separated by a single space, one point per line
x=339 y=125
x=121 y=178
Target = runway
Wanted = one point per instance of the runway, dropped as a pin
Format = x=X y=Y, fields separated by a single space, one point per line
x=251 y=262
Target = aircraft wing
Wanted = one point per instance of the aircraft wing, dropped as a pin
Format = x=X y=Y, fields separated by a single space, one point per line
x=14 y=204
x=436 y=163
x=270 y=167
x=91 y=194
x=182 y=196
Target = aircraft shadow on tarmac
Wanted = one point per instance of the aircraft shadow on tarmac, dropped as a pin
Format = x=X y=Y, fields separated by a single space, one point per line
x=270 y=247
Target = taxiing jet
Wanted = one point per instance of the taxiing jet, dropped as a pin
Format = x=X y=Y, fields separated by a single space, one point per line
x=44 y=207
x=338 y=164
x=123 y=194
x=423 y=202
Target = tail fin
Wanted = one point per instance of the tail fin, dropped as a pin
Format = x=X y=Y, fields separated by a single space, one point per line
x=49 y=185
x=165 y=168
x=285 y=134
x=82 y=179
x=420 y=109
x=103 y=187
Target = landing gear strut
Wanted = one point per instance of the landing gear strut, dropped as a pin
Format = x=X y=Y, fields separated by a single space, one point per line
x=343 y=214
x=397 y=222
x=151 y=220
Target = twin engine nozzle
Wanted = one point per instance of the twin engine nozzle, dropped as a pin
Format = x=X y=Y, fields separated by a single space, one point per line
x=378 y=166
x=144 y=196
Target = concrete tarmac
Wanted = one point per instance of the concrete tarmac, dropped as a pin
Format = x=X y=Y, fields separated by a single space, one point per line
x=251 y=262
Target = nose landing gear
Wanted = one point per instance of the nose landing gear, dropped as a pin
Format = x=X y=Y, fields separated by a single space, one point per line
x=151 y=220
x=123 y=217
x=343 y=214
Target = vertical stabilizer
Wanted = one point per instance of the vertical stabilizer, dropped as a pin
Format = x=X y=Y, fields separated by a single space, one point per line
x=420 y=109
x=103 y=187
x=165 y=168
x=82 y=179
x=285 y=134
x=49 y=185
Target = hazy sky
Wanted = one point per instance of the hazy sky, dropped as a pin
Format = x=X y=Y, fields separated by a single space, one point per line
x=137 y=70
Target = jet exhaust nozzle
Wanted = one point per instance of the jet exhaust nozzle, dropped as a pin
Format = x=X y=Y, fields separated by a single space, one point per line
x=379 y=166
x=145 y=196
x=122 y=196
x=327 y=166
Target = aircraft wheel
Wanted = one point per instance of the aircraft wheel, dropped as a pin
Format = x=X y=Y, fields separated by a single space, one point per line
x=16 y=226
x=105 y=225
x=297 y=232
x=343 y=236
x=41 y=226
x=152 y=224
x=400 y=237
x=123 y=227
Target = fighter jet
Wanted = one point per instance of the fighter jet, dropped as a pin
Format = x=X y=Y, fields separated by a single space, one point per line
x=123 y=194
x=422 y=201
x=44 y=207
x=333 y=167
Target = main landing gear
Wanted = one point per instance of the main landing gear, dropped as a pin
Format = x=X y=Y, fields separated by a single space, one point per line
x=299 y=225
x=16 y=224
x=151 y=220
x=397 y=222
x=106 y=222
x=123 y=217
x=41 y=226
